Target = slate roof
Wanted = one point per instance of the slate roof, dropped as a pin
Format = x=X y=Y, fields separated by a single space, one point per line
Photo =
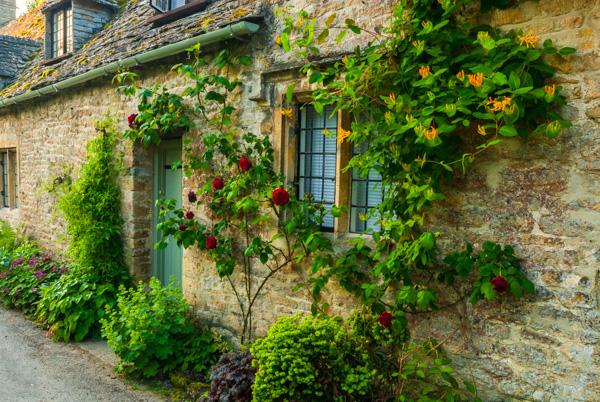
x=129 y=34
x=28 y=26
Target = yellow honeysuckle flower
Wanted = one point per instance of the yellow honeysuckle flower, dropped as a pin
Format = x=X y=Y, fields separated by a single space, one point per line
x=288 y=113
x=388 y=117
x=529 y=39
x=461 y=75
x=550 y=89
x=393 y=98
x=424 y=71
x=425 y=24
x=509 y=109
x=476 y=80
x=481 y=130
x=409 y=118
x=383 y=223
x=342 y=134
x=345 y=59
x=361 y=217
x=482 y=35
x=278 y=40
x=430 y=134
x=417 y=43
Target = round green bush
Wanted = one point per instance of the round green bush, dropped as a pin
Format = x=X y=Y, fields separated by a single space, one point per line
x=310 y=359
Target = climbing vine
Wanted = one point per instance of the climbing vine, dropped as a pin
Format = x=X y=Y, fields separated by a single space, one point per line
x=428 y=94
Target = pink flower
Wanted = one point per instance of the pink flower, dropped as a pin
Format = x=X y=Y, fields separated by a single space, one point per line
x=217 y=184
x=211 y=243
x=385 y=319
x=500 y=284
x=245 y=164
x=280 y=197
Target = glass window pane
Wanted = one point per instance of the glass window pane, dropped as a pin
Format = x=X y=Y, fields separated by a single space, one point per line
x=317 y=158
x=366 y=193
x=4 y=163
x=69 y=32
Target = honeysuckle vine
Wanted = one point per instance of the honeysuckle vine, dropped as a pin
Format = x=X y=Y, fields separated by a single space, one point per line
x=428 y=94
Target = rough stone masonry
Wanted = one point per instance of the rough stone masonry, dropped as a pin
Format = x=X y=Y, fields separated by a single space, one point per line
x=540 y=196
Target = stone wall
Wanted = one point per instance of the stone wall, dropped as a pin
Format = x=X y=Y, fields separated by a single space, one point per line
x=541 y=196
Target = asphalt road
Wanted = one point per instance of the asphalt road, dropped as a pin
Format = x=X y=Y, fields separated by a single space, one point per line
x=33 y=368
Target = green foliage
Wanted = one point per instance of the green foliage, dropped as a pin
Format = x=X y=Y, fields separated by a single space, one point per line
x=8 y=237
x=308 y=359
x=427 y=89
x=91 y=205
x=73 y=305
x=149 y=332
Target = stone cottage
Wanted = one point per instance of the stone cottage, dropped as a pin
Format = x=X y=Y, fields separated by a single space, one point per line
x=56 y=69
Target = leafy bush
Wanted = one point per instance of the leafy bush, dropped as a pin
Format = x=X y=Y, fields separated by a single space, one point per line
x=73 y=306
x=306 y=359
x=149 y=331
x=23 y=274
x=8 y=237
x=91 y=205
x=232 y=378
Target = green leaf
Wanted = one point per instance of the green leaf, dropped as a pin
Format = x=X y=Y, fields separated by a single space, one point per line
x=516 y=289
x=567 y=50
x=508 y=131
x=341 y=36
x=514 y=81
x=290 y=92
x=322 y=36
x=522 y=91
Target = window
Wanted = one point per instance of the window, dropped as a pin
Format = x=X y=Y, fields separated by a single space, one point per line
x=10 y=178
x=171 y=10
x=366 y=193
x=319 y=164
x=62 y=32
x=317 y=158
x=167 y=5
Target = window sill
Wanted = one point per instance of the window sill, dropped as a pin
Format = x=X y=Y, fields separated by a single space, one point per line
x=56 y=59
x=179 y=12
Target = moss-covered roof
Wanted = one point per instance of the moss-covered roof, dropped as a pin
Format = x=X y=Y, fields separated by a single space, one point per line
x=129 y=34
x=28 y=26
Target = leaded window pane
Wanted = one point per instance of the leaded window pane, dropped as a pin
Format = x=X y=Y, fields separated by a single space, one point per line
x=366 y=193
x=4 y=166
x=317 y=157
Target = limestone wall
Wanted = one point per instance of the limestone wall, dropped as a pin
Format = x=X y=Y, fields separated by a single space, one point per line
x=541 y=196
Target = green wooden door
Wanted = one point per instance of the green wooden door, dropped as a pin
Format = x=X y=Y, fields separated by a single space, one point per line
x=167 y=262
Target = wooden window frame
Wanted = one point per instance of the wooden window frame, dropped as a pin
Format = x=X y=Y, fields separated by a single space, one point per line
x=285 y=142
x=174 y=14
x=10 y=172
x=65 y=39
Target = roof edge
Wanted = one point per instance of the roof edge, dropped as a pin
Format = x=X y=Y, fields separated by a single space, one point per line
x=230 y=31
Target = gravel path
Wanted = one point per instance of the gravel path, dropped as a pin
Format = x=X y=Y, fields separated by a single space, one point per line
x=33 y=368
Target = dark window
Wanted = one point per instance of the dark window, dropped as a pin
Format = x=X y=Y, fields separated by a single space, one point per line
x=317 y=158
x=4 y=167
x=366 y=193
x=62 y=32
x=16 y=168
x=167 y=5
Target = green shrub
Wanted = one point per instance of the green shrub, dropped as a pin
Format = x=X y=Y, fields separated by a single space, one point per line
x=307 y=359
x=8 y=237
x=149 y=331
x=91 y=205
x=73 y=306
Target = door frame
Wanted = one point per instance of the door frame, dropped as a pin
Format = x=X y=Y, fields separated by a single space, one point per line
x=158 y=257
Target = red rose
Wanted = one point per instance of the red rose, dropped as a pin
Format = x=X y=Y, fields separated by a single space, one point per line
x=281 y=197
x=385 y=319
x=132 y=122
x=217 y=184
x=500 y=284
x=182 y=227
x=245 y=164
x=211 y=243
x=189 y=215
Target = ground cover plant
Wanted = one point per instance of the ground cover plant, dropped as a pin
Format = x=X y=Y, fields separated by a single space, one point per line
x=149 y=331
x=428 y=95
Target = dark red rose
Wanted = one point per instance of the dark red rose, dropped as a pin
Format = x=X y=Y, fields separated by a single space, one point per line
x=500 y=284
x=132 y=122
x=245 y=164
x=309 y=196
x=211 y=243
x=281 y=197
x=192 y=197
x=385 y=319
x=217 y=184
x=189 y=215
x=182 y=227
